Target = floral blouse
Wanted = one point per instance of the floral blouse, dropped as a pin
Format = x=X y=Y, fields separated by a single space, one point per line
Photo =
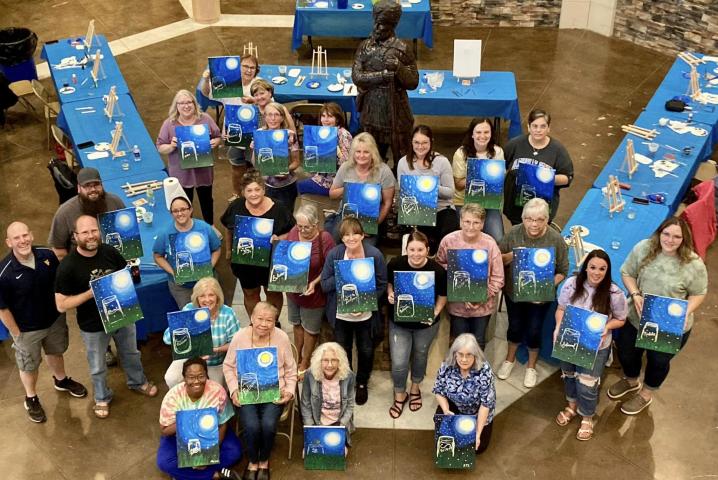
x=344 y=142
x=470 y=393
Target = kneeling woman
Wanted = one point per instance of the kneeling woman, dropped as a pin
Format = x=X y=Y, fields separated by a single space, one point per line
x=465 y=386
x=197 y=391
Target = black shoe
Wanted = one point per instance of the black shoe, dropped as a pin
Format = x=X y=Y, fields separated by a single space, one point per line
x=70 y=386
x=263 y=474
x=110 y=358
x=228 y=474
x=249 y=474
x=34 y=410
x=362 y=395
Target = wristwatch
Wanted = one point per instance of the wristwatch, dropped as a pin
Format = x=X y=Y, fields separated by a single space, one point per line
x=636 y=294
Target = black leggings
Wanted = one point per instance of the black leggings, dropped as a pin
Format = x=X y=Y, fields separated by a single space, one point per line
x=206 y=202
x=485 y=433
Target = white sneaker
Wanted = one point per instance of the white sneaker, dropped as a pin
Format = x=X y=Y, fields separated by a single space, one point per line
x=505 y=370
x=530 y=378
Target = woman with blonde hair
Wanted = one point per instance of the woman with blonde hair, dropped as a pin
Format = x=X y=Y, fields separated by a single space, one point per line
x=207 y=293
x=184 y=111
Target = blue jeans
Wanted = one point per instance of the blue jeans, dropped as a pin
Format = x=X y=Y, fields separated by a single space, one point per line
x=230 y=452
x=260 y=427
x=126 y=343
x=311 y=187
x=344 y=333
x=405 y=344
x=475 y=325
x=583 y=384
x=493 y=225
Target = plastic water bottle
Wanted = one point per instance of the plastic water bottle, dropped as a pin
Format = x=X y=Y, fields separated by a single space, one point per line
x=150 y=197
x=136 y=153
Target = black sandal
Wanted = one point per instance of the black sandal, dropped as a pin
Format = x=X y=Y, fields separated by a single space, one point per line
x=415 y=402
x=398 y=408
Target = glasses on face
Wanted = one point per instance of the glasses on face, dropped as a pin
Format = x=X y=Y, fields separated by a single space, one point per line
x=249 y=67
x=268 y=321
x=472 y=223
x=536 y=221
x=420 y=144
x=330 y=361
x=186 y=103
x=92 y=186
x=464 y=356
x=195 y=378
x=306 y=228
x=87 y=233
x=177 y=211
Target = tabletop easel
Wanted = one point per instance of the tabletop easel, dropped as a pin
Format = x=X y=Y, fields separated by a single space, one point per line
x=629 y=161
x=613 y=196
x=141 y=188
x=90 y=40
x=97 y=73
x=250 y=49
x=640 y=131
x=112 y=108
x=576 y=243
x=118 y=135
x=319 y=58
x=690 y=59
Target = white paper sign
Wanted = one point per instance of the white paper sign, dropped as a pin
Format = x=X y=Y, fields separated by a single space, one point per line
x=467 y=58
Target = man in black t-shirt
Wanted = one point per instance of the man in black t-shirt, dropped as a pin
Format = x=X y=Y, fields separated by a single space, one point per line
x=89 y=261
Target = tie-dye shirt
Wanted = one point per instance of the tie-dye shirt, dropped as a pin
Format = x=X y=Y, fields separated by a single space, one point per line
x=214 y=396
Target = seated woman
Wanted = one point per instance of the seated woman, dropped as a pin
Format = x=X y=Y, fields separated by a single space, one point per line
x=195 y=392
x=465 y=386
x=328 y=390
x=223 y=324
x=260 y=420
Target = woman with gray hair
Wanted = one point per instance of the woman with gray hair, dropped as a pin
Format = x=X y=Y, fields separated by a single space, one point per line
x=465 y=386
x=328 y=390
x=306 y=310
x=526 y=318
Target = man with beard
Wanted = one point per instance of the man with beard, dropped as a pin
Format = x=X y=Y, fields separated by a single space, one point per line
x=91 y=200
x=27 y=309
x=89 y=261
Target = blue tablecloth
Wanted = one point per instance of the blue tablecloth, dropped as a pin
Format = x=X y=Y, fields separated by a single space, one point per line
x=644 y=180
x=96 y=127
x=154 y=295
x=84 y=88
x=358 y=23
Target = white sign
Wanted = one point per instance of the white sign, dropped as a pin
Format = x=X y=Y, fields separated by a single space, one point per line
x=467 y=58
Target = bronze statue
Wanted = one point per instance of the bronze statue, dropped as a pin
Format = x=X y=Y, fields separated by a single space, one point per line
x=384 y=69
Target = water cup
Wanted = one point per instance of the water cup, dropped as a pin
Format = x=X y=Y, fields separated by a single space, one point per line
x=347 y=74
x=147 y=217
x=615 y=243
x=125 y=164
x=663 y=121
x=631 y=213
x=282 y=70
x=653 y=147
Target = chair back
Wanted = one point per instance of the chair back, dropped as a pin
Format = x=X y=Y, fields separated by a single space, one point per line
x=305 y=114
x=65 y=143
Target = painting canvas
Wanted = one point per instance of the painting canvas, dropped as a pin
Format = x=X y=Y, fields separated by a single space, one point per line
x=320 y=149
x=197 y=437
x=455 y=441
x=324 y=447
x=661 y=325
x=468 y=275
x=120 y=229
x=190 y=333
x=226 y=76
x=193 y=146
x=271 y=152
x=116 y=300
x=579 y=336
x=534 y=180
x=362 y=201
x=533 y=272
x=252 y=241
x=414 y=297
x=418 y=197
x=240 y=122
x=356 y=285
x=190 y=256
x=258 y=375
x=290 y=267
x=485 y=182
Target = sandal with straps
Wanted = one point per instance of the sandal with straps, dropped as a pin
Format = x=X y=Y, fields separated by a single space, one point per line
x=585 y=433
x=415 y=402
x=398 y=408
x=565 y=416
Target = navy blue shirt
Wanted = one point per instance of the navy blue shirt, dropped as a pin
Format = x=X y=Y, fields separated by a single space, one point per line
x=30 y=294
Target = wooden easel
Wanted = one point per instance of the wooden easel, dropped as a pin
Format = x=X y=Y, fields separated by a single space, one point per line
x=97 y=67
x=250 y=49
x=112 y=104
x=690 y=59
x=141 y=188
x=640 y=131
x=576 y=242
x=319 y=58
x=694 y=87
x=613 y=196
x=629 y=161
x=116 y=137
x=90 y=34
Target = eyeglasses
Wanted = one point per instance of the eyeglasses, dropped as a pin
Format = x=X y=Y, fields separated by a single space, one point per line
x=464 y=356
x=92 y=186
x=177 y=211
x=195 y=379
x=535 y=220
x=304 y=228
x=249 y=67
x=186 y=103
x=331 y=361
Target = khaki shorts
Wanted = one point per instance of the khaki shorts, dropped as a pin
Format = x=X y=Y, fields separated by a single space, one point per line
x=28 y=345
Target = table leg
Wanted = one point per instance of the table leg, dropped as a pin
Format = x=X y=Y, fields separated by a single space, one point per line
x=311 y=47
x=497 y=129
x=416 y=48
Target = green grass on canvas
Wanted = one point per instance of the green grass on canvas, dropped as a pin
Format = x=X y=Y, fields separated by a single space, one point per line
x=325 y=164
x=205 y=457
x=666 y=342
x=201 y=345
x=581 y=357
x=266 y=395
x=365 y=303
x=489 y=201
x=324 y=462
x=474 y=294
x=278 y=166
x=118 y=320
x=422 y=313
x=132 y=249
x=295 y=284
x=200 y=271
x=202 y=160
x=545 y=292
x=368 y=224
x=260 y=258
x=464 y=458
x=229 y=91
x=421 y=216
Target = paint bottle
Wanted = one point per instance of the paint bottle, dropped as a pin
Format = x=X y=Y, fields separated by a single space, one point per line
x=136 y=153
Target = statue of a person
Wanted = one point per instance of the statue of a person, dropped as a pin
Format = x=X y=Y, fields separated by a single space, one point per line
x=384 y=69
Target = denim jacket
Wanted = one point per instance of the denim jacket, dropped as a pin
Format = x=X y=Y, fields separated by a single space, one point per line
x=311 y=402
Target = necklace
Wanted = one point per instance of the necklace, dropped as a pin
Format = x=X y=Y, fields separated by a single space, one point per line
x=269 y=340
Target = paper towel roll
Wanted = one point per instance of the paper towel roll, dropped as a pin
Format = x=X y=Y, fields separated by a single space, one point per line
x=173 y=189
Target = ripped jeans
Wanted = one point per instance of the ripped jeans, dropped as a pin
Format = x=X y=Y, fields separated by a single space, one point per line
x=583 y=384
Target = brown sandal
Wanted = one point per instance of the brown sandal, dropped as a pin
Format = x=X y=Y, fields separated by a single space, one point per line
x=585 y=433
x=149 y=389
x=398 y=408
x=101 y=411
x=565 y=416
x=415 y=402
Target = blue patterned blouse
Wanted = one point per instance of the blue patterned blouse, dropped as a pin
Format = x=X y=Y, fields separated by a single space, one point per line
x=469 y=393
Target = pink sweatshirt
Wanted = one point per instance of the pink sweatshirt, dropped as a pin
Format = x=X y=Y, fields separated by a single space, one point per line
x=455 y=241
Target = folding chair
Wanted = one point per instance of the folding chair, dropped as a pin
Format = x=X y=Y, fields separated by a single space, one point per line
x=65 y=143
x=52 y=108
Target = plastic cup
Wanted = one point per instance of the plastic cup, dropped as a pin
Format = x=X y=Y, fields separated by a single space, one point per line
x=282 y=70
x=615 y=243
x=663 y=122
x=147 y=217
x=653 y=147
x=631 y=213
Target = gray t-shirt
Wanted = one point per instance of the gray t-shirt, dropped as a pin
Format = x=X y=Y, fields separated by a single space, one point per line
x=347 y=173
x=440 y=167
x=64 y=221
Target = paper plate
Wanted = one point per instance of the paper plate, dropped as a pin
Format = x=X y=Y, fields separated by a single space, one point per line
x=321 y=4
x=67 y=90
x=414 y=1
x=293 y=72
x=102 y=146
x=279 y=80
x=335 y=87
x=313 y=84
x=357 y=6
x=699 y=132
x=642 y=159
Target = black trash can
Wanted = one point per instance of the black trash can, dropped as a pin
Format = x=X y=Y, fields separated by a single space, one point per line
x=16 y=45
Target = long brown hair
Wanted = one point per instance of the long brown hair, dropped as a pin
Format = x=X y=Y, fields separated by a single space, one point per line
x=468 y=142
x=686 y=251
x=601 y=301
x=426 y=131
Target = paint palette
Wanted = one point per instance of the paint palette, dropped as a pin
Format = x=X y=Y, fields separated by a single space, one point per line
x=67 y=90
x=279 y=80
x=642 y=159
x=102 y=146
x=335 y=87
x=313 y=85
x=357 y=6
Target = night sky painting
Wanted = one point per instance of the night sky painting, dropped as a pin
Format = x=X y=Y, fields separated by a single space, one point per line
x=356 y=285
x=468 y=275
x=116 y=300
x=252 y=241
x=120 y=229
x=414 y=297
x=190 y=256
x=455 y=441
x=271 y=152
x=320 y=149
x=362 y=201
x=197 y=437
x=579 y=336
x=533 y=271
x=226 y=76
x=193 y=146
x=485 y=182
x=190 y=332
x=418 y=197
x=324 y=447
x=534 y=180
x=661 y=325
x=290 y=267
x=258 y=375
x=240 y=122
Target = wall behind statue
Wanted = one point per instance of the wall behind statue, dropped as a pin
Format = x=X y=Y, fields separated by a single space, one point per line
x=497 y=13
